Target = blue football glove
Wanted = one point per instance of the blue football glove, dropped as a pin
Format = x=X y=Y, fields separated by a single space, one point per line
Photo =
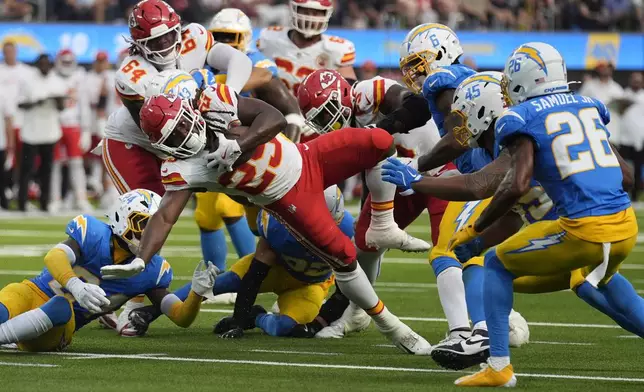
x=401 y=175
x=468 y=250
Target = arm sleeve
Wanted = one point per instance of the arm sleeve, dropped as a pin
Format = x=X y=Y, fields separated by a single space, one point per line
x=181 y=313
x=59 y=264
x=234 y=63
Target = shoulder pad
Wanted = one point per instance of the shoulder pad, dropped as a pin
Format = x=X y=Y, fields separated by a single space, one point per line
x=133 y=77
x=440 y=79
x=342 y=52
x=511 y=122
x=85 y=230
x=269 y=35
x=199 y=35
x=603 y=111
x=222 y=101
x=172 y=175
x=369 y=93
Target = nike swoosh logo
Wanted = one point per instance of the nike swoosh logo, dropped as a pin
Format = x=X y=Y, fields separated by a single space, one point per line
x=501 y=128
x=164 y=171
x=433 y=83
x=478 y=342
x=306 y=147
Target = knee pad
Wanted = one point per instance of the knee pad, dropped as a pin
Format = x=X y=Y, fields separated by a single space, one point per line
x=442 y=263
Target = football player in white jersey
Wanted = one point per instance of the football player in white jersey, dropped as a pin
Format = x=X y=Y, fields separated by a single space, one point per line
x=269 y=170
x=75 y=121
x=301 y=48
x=158 y=42
x=330 y=106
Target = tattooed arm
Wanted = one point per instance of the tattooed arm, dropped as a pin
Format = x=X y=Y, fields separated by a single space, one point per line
x=515 y=184
x=474 y=186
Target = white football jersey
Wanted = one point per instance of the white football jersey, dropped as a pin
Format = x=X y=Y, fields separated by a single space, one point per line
x=368 y=96
x=77 y=112
x=135 y=73
x=294 y=63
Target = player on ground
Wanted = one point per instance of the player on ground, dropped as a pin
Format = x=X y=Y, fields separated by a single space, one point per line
x=479 y=102
x=42 y=313
x=560 y=139
x=285 y=179
x=75 y=121
x=301 y=48
x=430 y=64
x=330 y=103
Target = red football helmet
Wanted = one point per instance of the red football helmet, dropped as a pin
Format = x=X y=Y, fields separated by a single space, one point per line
x=66 y=62
x=326 y=101
x=156 y=31
x=173 y=125
x=311 y=17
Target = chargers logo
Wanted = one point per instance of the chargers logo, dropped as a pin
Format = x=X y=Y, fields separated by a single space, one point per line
x=165 y=267
x=483 y=77
x=532 y=54
x=541 y=243
x=24 y=40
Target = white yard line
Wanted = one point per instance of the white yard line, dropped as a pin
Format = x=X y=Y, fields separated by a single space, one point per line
x=293 y=352
x=330 y=366
x=562 y=343
x=26 y=364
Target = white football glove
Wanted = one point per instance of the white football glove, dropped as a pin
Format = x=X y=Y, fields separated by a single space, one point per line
x=226 y=154
x=89 y=296
x=123 y=271
x=203 y=278
x=299 y=121
x=85 y=141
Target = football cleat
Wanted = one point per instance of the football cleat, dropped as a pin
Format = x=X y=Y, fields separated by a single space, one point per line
x=488 y=377
x=464 y=353
x=407 y=340
x=108 y=321
x=392 y=237
x=353 y=319
x=222 y=299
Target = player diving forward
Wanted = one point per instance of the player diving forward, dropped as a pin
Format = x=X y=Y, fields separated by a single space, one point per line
x=561 y=141
x=481 y=94
x=285 y=179
x=42 y=313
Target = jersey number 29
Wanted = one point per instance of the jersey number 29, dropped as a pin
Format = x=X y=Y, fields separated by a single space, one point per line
x=586 y=130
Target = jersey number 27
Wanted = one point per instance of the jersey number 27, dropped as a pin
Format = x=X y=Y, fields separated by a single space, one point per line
x=586 y=130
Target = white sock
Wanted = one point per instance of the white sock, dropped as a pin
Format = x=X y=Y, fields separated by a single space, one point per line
x=382 y=198
x=56 y=182
x=480 y=325
x=78 y=179
x=451 y=292
x=25 y=326
x=385 y=320
x=370 y=263
x=498 y=363
x=355 y=286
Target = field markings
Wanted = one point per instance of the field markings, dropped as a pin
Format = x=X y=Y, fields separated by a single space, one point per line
x=328 y=366
x=293 y=352
x=561 y=343
x=27 y=364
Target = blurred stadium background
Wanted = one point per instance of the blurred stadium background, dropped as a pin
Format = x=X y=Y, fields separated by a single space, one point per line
x=597 y=37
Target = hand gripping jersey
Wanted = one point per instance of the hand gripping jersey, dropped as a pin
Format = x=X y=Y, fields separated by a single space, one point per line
x=77 y=111
x=295 y=63
x=97 y=250
x=299 y=262
x=135 y=73
x=573 y=159
x=368 y=96
x=444 y=78
x=259 y=61
x=273 y=169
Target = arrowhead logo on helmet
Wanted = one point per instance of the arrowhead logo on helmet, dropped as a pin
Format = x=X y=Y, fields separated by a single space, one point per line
x=327 y=78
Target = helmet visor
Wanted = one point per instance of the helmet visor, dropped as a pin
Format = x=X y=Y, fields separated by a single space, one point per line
x=330 y=116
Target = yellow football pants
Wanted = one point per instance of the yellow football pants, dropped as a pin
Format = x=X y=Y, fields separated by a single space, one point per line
x=213 y=207
x=22 y=297
x=300 y=301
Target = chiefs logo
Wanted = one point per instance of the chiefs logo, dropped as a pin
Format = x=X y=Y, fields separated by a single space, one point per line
x=327 y=78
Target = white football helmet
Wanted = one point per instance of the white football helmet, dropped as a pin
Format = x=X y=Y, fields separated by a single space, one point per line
x=174 y=82
x=335 y=202
x=534 y=69
x=231 y=26
x=311 y=17
x=425 y=47
x=130 y=213
x=479 y=101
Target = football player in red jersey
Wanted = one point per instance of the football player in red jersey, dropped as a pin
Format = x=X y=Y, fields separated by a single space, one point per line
x=282 y=177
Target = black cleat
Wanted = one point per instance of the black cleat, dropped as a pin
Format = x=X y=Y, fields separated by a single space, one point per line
x=463 y=354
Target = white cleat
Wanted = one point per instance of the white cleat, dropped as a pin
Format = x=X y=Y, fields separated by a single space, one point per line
x=353 y=319
x=123 y=326
x=108 y=321
x=407 y=340
x=393 y=237
x=222 y=299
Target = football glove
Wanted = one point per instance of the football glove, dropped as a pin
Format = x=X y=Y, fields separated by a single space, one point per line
x=123 y=271
x=401 y=175
x=203 y=279
x=89 y=296
x=466 y=251
x=463 y=236
x=226 y=154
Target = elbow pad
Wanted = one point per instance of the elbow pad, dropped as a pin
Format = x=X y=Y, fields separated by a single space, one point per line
x=413 y=113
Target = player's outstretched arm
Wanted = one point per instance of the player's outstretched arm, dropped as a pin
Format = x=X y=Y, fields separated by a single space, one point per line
x=264 y=122
x=157 y=230
x=183 y=313
x=275 y=93
x=235 y=64
x=515 y=184
x=259 y=78
x=412 y=113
